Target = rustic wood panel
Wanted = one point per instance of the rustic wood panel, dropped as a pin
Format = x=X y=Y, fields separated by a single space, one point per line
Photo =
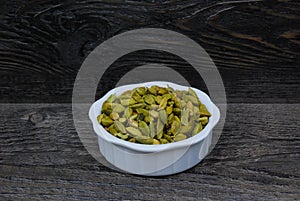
x=256 y=158
x=254 y=43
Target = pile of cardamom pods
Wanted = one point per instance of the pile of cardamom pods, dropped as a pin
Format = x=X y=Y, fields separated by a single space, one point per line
x=154 y=115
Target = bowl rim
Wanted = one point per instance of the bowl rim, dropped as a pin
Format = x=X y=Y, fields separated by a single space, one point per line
x=105 y=135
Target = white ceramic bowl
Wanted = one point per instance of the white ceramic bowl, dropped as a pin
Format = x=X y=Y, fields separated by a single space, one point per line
x=154 y=160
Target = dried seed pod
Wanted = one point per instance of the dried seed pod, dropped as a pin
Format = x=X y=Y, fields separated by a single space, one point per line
x=167 y=137
x=99 y=118
x=155 y=115
x=123 y=136
x=111 y=98
x=176 y=118
x=178 y=93
x=153 y=90
x=197 y=129
x=149 y=99
x=133 y=117
x=140 y=117
x=126 y=95
x=106 y=108
x=114 y=116
x=192 y=92
x=132 y=123
x=185 y=117
x=190 y=106
x=113 y=131
x=177 y=111
x=163 y=103
x=155 y=141
x=132 y=140
x=158 y=99
x=159 y=129
x=177 y=104
x=141 y=90
x=182 y=103
x=152 y=129
x=163 y=141
x=170 y=103
x=136 y=96
x=184 y=129
x=122 y=120
x=167 y=96
x=163 y=116
x=162 y=90
x=125 y=102
x=154 y=107
x=147 y=107
x=147 y=119
x=170 y=118
x=203 y=111
x=193 y=99
x=196 y=110
x=203 y=120
x=118 y=108
x=142 y=111
x=169 y=110
x=106 y=121
x=120 y=127
x=179 y=137
x=174 y=127
x=143 y=126
x=132 y=101
x=127 y=112
x=145 y=140
x=134 y=132
x=138 y=105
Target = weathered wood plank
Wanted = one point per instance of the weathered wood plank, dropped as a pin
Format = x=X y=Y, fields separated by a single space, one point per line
x=241 y=87
x=254 y=43
x=256 y=158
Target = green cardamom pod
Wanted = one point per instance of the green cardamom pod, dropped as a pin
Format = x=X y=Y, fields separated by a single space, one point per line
x=154 y=115
x=120 y=127
x=179 y=137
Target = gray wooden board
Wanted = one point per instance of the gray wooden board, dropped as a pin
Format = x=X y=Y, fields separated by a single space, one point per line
x=256 y=158
x=254 y=43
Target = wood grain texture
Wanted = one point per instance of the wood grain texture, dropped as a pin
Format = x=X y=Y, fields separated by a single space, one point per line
x=256 y=158
x=254 y=43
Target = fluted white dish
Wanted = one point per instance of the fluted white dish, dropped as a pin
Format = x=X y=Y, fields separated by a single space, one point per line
x=154 y=160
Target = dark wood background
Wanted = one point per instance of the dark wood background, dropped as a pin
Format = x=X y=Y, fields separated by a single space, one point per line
x=255 y=45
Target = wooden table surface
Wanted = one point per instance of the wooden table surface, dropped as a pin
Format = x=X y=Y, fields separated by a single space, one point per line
x=254 y=44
